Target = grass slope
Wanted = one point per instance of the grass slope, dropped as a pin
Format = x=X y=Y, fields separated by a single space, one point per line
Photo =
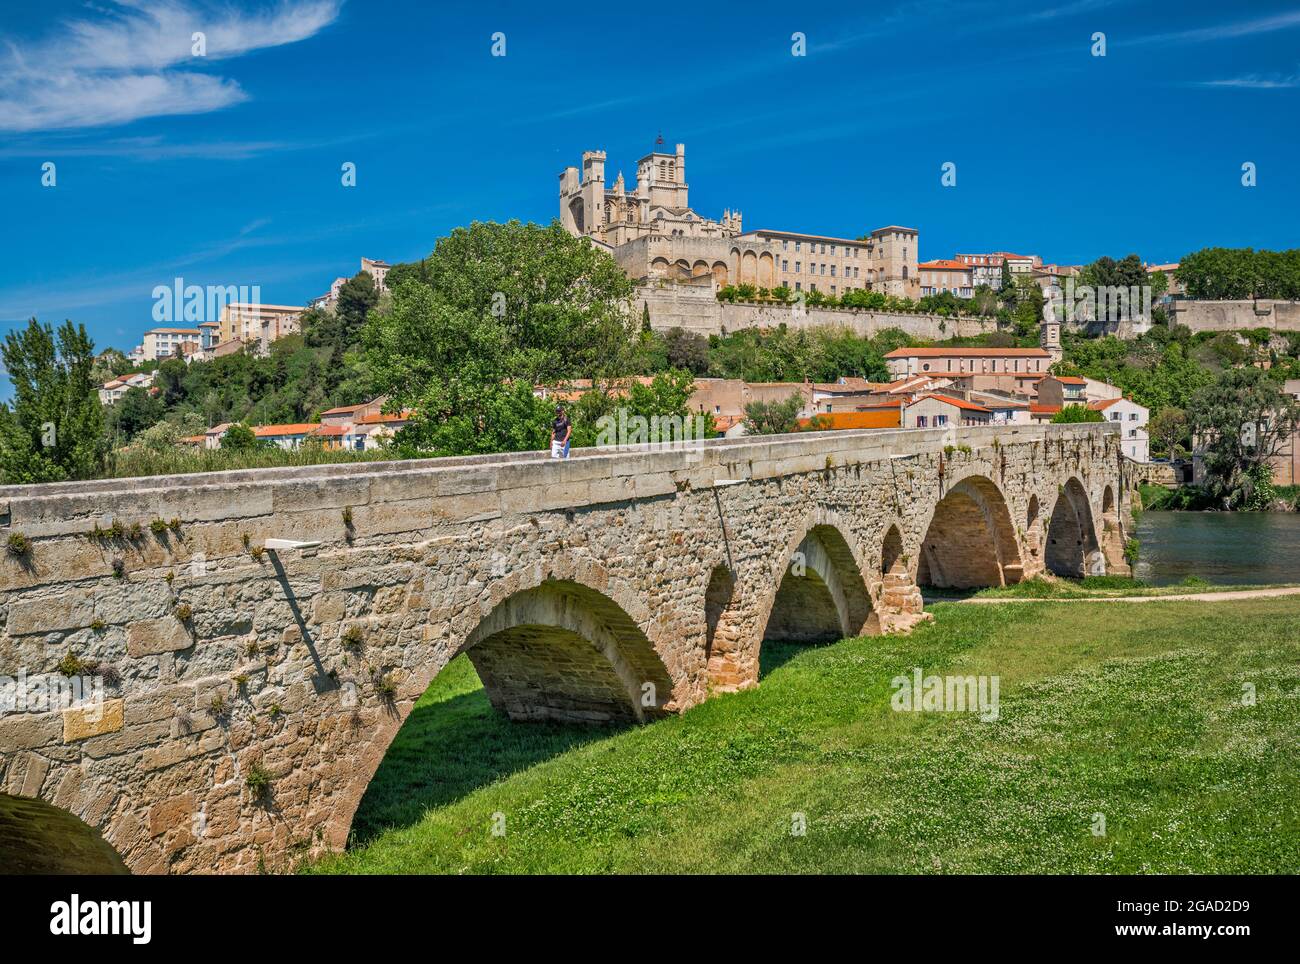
x=1134 y=712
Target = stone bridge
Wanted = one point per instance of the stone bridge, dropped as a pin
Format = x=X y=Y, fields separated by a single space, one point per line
x=251 y=690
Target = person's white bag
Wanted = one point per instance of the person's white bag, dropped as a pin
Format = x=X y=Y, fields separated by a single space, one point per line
x=557 y=450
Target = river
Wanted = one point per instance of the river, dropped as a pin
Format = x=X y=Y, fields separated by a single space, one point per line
x=1219 y=547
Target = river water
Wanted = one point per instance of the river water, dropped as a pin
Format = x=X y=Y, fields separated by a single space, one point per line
x=1219 y=547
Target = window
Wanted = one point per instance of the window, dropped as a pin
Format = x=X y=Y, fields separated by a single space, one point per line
x=798 y=245
x=1115 y=416
x=832 y=249
x=1132 y=416
x=940 y=420
x=785 y=265
x=920 y=421
x=1132 y=433
x=785 y=245
x=798 y=286
x=832 y=271
x=798 y=267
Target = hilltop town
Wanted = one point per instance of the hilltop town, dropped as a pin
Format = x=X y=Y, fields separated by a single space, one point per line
x=970 y=338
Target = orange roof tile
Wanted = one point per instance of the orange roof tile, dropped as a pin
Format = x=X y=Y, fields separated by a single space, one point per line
x=958 y=402
x=292 y=428
x=968 y=353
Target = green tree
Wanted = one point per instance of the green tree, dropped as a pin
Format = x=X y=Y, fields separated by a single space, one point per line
x=1239 y=423
x=1168 y=428
x=55 y=427
x=135 y=411
x=773 y=418
x=1072 y=414
x=496 y=309
x=240 y=438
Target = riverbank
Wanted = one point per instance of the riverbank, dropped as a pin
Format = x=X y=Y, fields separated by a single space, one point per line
x=1190 y=498
x=1121 y=743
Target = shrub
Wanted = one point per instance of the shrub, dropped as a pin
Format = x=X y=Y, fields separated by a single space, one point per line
x=184 y=612
x=258 y=780
x=18 y=545
x=73 y=665
x=353 y=636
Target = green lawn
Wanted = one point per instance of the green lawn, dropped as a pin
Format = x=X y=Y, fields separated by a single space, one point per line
x=1134 y=712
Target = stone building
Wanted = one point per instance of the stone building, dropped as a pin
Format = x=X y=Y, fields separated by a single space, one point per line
x=653 y=233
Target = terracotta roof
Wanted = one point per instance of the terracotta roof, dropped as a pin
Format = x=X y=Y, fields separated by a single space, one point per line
x=958 y=402
x=1102 y=403
x=343 y=408
x=968 y=353
x=330 y=430
x=292 y=428
x=944 y=265
x=1036 y=409
x=894 y=402
x=1070 y=379
x=838 y=421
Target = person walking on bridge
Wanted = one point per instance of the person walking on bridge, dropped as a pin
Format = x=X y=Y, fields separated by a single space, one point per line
x=561 y=431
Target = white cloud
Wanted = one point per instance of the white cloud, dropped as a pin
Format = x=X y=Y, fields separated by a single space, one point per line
x=1256 y=82
x=125 y=65
x=1226 y=31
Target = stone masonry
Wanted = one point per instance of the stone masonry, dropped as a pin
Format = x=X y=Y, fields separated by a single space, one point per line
x=249 y=694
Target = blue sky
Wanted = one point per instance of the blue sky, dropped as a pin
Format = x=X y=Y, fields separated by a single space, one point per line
x=225 y=169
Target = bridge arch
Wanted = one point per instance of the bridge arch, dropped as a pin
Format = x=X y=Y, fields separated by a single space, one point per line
x=37 y=837
x=970 y=541
x=1072 y=547
x=564 y=651
x=821 y=594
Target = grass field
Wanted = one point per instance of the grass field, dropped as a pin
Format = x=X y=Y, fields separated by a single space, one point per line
x=1134 y=712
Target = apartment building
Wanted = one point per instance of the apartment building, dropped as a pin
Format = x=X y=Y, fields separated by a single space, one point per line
x=245 y=322
x=952 y=276
x=160 y=343
x=1009 y=361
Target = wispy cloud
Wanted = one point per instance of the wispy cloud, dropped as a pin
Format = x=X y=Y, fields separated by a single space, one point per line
x=136 y=60
x=1256 y=82
x=1225 y=31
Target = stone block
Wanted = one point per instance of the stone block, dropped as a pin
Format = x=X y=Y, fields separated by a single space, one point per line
x=43 y=614
x=151 y=637
x=83 y=722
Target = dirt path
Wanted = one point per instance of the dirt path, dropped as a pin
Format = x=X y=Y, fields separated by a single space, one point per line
x=1226 y=596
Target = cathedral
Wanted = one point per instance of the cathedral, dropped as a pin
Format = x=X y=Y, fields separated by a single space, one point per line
x=655 y=236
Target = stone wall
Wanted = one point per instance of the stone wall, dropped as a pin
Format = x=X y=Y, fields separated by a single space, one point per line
x=250 y=694
x=1236 y=315
x=696 y=308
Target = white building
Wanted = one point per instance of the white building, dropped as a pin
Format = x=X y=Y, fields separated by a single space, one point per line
x=160 y=343
x=1134 y=441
